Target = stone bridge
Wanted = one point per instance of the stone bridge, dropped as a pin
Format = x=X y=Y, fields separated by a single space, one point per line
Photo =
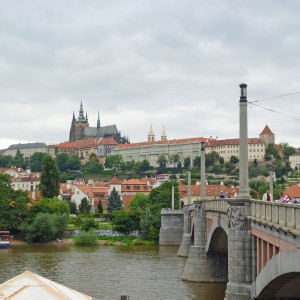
x=252 y=245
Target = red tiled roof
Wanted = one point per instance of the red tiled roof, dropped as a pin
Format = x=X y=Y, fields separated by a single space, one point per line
x=293 y=191
x=278 y=147
x=267 y=130
x=178 y=141
x=233 y=142
x=115 y=180
x=92 y=142
x=108 y=141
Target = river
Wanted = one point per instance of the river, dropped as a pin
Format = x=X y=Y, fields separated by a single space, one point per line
x=107 y=272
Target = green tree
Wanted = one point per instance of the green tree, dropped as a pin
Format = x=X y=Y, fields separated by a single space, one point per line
x=6 y=161
x=113 y=162
x=62 y=161
x=174 y=159
x=50 y=178
x=85 y=207
x=233 y=159
x=45 y=228
x=197 y=162
x=19 y=160
x=287 y=149
x=125 y=221
x=212 y=158
x=114 y=201
x=143 y=166
x=187 y=162
x=162 y=162
x=73 y=162
x=36 y=161
x=100 y=208
x=93 y=166
x=73 y=208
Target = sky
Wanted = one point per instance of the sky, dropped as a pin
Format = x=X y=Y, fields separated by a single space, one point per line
x=172 y=63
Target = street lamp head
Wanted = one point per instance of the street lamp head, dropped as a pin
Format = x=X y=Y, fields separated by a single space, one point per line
x=243 y=97
x=202 y=146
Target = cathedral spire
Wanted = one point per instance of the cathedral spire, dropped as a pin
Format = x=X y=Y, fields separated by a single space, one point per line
x=73 y=120
x=86 y=117
x=81 y=115
x=98 y=121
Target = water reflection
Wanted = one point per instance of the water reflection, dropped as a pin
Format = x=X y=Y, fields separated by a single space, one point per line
x=106 y=272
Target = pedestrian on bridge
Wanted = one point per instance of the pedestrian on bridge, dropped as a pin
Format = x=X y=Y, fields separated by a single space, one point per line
x=267 y=196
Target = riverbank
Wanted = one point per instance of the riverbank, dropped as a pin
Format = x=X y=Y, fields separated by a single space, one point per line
x=69 y=241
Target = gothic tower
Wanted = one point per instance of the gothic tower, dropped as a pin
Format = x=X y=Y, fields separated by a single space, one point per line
x=78 y=125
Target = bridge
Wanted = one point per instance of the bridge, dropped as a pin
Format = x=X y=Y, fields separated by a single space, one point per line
x=252 y=245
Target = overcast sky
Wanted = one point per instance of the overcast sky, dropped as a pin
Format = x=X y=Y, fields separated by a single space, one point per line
x=172 y=63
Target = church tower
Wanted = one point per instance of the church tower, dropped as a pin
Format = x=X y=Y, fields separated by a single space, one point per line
x=163 y=134
x=151 y=135
x=78 y=125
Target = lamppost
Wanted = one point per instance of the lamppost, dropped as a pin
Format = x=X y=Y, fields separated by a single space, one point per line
x=244 y=191
x=272 y=171
x=202 y=197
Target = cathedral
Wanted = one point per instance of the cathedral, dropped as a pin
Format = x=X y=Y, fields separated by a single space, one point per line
x=80 y=129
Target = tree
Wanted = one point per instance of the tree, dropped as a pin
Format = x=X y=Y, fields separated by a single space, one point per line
x=212 y=158
x=287 y=149
x=62 y=161
x=187 y=162
x=197 y=162
x=6 y=161
x=45 y=228
x=162 y=162
x=113 y=161
x=125 y=221
x=93 y=166
x=73 y=162
x=50 y=178
x=174 y=159
x=143 y=166
x=85 y=207
x=19 y=160
x=73 y=208
x=114 y=201
x=36 y=161
x=233 y=159
x=100 y=208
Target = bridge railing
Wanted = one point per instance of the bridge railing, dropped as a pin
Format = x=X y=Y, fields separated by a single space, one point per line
x=219 y=205
x=281 y=214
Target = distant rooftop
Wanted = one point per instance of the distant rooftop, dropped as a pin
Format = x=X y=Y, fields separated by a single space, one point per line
x=27 y=146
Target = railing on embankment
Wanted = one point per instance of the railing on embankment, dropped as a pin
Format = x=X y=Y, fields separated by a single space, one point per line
x=279 y=215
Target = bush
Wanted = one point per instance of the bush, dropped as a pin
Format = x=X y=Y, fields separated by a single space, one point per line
x=45 y=228
x=86 y=239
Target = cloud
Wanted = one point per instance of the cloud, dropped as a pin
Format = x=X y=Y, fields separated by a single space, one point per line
x=173 y=63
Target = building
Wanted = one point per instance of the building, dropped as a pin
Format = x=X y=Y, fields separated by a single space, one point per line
x=26 y=149
x=191 y=147
x=101 y=147
x=294 y=160
x=150 y=150
x=80 y=129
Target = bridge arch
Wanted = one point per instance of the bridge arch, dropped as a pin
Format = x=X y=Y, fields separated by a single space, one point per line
x=217 y=252
x=219 y=222
x=280 y=278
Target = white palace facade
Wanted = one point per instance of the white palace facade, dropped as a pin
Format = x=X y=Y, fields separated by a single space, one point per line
x=190 y=147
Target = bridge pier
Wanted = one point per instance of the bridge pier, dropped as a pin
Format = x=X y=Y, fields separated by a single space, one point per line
x=186 y=241
x=171 y=227
x=240 y=262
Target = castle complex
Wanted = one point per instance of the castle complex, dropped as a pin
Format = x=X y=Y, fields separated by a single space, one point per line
x=80 y=129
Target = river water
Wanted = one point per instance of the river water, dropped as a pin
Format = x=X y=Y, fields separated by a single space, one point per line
x=107 y=272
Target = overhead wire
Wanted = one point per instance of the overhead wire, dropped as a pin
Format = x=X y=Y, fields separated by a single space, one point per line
x=275 y=97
